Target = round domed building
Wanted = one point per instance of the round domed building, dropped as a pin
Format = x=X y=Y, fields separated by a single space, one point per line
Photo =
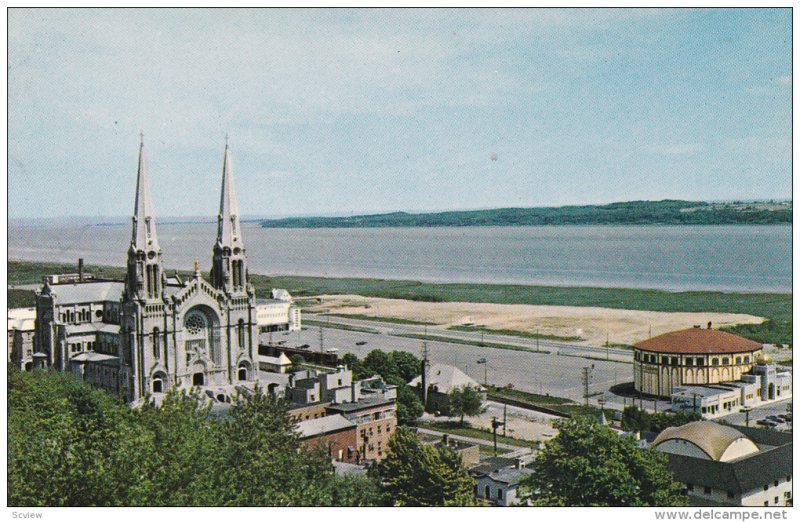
x=691 y=356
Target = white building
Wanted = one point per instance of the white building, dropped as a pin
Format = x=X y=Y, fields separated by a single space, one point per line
x=21 y=329
x=725 y=466
x=764 y=385
x=278 y=314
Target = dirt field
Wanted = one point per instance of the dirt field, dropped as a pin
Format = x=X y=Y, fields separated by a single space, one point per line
x=592 y=325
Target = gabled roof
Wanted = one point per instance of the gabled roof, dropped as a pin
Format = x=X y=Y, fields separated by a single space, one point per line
x=698 y=341
x=446 y=378
x=93 y=357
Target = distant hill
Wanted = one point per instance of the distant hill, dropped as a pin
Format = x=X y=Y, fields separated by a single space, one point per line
x=666 y=212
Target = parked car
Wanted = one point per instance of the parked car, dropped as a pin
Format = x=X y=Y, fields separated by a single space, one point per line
x=775 y=418
x=303 y=346
x=361 y=343
x=765 y=422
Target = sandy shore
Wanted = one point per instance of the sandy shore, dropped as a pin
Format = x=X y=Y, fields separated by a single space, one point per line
x=592 y=325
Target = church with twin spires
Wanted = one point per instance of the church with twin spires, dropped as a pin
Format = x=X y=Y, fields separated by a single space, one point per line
x=154 y=331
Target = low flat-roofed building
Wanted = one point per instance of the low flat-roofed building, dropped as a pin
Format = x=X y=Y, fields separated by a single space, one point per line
x=333 y=434
x=725 y=466
x=278 y=314
x=376 y=421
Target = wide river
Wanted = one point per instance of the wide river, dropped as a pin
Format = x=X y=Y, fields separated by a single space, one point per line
x=734 y=258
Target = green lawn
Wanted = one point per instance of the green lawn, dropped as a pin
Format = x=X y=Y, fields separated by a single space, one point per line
x=312 y=322
x=453 y=428
x=393 y=320
x=559 y=404
x=515 y=333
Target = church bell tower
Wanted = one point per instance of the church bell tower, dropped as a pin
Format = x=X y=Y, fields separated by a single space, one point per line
x=144 y=274
x=229 y=269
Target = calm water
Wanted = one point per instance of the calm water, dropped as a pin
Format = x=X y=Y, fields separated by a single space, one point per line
x=736 y=258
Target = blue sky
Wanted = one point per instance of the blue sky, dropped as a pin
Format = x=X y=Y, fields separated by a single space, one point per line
x=353 y=111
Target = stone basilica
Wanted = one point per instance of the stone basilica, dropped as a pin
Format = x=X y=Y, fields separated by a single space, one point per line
x=154 y=331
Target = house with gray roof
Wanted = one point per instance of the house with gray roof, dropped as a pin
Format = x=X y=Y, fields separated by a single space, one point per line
x=440 y=380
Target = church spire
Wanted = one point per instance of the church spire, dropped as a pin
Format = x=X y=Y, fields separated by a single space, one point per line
x=144 y=255
x=229 y=270
x=228 y=231
x=144 y=223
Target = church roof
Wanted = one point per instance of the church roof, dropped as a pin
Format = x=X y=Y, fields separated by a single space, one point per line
x=93 y=357
x=699 y=341
x=87 y=292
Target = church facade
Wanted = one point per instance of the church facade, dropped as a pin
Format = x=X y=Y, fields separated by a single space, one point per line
x=153 y=332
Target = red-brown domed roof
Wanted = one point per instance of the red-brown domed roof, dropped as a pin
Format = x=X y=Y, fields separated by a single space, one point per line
x=698 y=340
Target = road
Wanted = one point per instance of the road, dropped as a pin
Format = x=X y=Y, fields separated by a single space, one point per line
x=762 y=412
x=545 y=373
x=441 y=331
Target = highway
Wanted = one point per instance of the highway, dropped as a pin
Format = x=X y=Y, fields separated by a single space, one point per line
x=557 y=373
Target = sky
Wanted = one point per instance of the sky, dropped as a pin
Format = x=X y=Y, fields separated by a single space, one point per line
x=335 y=112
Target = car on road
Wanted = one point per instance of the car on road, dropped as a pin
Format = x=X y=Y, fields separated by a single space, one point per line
x=786 y=416
x=361 y=343
x=775 y=418
x=766 y=422
x=304 y=346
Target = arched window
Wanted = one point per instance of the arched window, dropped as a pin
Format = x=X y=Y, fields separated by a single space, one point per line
x=487 y=492
x=156 y=343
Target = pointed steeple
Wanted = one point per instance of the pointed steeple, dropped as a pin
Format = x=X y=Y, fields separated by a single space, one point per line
x=228 y=232
x=144 y=223
x=229 y=270
x=144 y=255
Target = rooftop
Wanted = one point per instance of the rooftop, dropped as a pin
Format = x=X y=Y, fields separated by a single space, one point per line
x=445 y=378
x=698 y=341
x=712 y=438
x=322 y=425
x=363 y=404
x=87 y=291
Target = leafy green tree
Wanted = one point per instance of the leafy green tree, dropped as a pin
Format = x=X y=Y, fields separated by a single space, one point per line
x=465 y=400
x=409 y=406
x=590 y=465
x=635 y=419
x=379 y=362
x=408 y=366
x=415 y=474
x=297 y=360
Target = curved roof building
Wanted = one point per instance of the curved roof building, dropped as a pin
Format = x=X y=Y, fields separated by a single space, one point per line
x=706 y=440
x=691 y=356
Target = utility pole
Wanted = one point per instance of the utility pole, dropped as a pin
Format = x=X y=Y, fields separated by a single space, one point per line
x=746 y=411
x=321 y=341
x=586 y=376
x=537 y=340
x=505 y=411
x=495 y=424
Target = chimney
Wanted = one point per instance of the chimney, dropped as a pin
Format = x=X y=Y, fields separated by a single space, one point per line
x=353 y=391
x=80 y=270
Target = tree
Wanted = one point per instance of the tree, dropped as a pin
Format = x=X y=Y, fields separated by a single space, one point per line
x=590 y=465
x=409 y=407
x=379 y=362
x=465 y=400
x=415 y=474
x=297 y=360
x=634 y=419
x=408 y=366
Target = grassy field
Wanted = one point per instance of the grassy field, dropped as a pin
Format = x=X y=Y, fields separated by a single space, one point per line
x=453 y=428
x=311 y=322
x=558 y=404
x=393 y=320
x=515 y=333
x=770 y=305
